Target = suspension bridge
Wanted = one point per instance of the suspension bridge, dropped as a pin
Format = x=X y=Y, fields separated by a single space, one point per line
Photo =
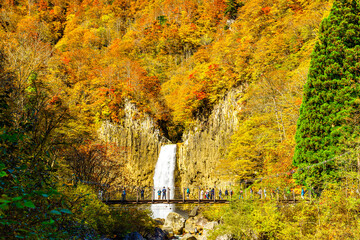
x=214 y=196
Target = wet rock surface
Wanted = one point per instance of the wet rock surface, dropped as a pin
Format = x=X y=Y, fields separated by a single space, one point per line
x=134 y=236
x=158 y=234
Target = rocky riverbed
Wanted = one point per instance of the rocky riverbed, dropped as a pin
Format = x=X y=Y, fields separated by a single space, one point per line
x=176 y=226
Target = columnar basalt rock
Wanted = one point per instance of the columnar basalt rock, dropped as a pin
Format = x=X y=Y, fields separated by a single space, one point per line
x=206 y=143
x=203 y=146
x=139 y=140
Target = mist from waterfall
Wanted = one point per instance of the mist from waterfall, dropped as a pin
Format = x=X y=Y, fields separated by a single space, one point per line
x=164 y=177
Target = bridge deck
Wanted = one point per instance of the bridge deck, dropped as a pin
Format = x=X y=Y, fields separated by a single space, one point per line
x=192 y=201
x=178 y=201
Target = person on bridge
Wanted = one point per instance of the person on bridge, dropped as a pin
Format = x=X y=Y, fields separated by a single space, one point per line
x=159 y=194
x=202 y=194
x=212 y=193
x=220 y=193
x=226 y=193
x=124 y=195
x=272 y=193
x=241 y=194
x=207 y=194
x=164 y=193
x=264 y=193
x=285 y=197
x=302 y=193
x=188 y=193
x=142 y=194
x=100 y=194
x=231 y=193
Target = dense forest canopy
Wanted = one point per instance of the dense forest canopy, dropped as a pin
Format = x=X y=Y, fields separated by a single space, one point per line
x=66 y=66
x=175 y=60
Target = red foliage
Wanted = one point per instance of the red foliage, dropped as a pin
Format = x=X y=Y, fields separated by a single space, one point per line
x=266 y=10
x=193 y=26
x=214 y=66
x=296 y=7
x=55 y=99
x=43 y=5
x=65 y=60
x=200 y=95
x=10 y=2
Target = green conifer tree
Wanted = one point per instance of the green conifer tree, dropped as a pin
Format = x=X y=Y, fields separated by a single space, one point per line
x=328 y=114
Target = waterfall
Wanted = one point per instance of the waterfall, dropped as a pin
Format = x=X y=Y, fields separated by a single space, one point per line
x=164 y=177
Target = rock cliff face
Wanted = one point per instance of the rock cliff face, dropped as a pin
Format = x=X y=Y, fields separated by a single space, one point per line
x=198 y=155
x=139 y=140
x=205 y=144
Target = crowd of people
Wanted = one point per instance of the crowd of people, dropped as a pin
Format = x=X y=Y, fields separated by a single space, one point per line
x=210 y=194
x=164 y=193
x=207 y=193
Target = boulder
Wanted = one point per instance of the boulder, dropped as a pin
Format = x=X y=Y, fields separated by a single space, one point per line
x=198 y=222
x=188 y=236
x=176 y=222
x=208 y=227
x=211 y=225
x=168 y=230
x=194 y=211
x=190 y=225
x=224 y=237
x=201 y=237
x=201 y=221
x=159 y=221
x=157 y=235
x=134 y=236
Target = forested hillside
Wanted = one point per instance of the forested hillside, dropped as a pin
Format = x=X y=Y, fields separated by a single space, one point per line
x=173 y=59
x=67 y=66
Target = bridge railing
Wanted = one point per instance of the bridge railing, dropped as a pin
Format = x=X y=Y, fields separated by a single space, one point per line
x=150 y=193
x=133 y=193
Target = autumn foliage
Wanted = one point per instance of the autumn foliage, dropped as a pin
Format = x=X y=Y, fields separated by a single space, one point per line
x=80 y=62
x=175 y=60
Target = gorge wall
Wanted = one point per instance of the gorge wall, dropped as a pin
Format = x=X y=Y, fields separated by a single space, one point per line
x=206 y=143
x=139 y=142
x=198 y=154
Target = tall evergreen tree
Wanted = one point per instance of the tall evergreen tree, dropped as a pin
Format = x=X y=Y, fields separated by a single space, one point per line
x=328 y=114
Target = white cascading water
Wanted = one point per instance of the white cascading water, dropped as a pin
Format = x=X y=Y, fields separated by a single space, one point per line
x=164 y=177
